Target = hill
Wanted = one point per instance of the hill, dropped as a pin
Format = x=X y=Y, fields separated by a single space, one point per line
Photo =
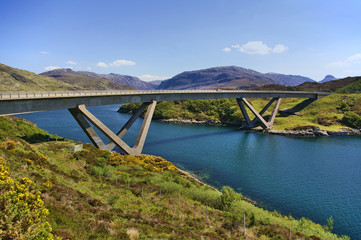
x=83 y=82
x=118 y=79
x=328 y=78
x=96 y=194
x=288 y=80
x=12 y=79
x=227 y=77
x=345 y=85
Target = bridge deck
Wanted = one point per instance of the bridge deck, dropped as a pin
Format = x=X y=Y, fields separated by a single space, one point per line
x=22 y=102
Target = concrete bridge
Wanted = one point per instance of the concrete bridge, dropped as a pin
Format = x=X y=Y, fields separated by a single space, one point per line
x=76 y=102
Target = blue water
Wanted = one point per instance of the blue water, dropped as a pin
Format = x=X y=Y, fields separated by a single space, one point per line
x=305 y=177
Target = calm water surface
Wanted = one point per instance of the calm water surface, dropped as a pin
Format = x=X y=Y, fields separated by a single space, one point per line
x=306 y=177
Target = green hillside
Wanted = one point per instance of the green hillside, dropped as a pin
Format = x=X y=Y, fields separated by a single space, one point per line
x=87 y=83
x=12 y=79
x=334 y=112
x=96 y=194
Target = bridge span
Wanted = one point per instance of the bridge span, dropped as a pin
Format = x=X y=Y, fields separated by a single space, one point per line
x=76 y=102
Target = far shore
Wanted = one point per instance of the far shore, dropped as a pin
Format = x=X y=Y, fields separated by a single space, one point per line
x=311 y=132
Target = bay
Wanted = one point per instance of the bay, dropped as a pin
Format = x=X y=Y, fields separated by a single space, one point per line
x=315 y=178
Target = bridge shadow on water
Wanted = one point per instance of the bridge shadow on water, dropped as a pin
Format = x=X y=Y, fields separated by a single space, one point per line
x=196 y=136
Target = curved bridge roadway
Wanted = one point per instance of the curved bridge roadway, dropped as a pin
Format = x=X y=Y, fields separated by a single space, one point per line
x=75 y=101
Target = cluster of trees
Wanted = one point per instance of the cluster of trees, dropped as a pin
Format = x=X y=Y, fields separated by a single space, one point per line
x=222 y=110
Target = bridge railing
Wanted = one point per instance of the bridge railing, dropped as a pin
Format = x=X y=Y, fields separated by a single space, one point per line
x=41 y=94
x=56 y=94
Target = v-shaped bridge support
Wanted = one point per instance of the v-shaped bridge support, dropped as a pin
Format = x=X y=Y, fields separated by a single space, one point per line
x=242 y=102
x=82 y=116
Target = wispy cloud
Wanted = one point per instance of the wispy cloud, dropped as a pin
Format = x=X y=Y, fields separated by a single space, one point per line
x=102 y=64
x=227 y=49
x=351 y=60
x=119 y=63
x=257 y=48
x=49 y=68
x=116 y=63
x=44 y=52
x=147 y=77
x=71 y=62
x=279 y=48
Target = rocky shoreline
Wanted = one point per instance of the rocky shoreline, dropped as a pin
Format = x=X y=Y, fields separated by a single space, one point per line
x=312 y=132
x=192 y=121
x=315 y=132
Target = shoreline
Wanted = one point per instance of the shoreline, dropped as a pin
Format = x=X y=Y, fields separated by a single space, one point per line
x=197 y=179
x=311 y=132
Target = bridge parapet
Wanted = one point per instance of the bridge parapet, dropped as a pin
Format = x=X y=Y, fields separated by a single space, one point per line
x=65 y=94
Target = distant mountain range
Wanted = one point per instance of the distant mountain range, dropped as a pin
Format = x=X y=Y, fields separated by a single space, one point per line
x=228 y=77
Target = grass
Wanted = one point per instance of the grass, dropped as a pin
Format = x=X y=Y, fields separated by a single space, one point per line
x=13 y=79
x=139 y=197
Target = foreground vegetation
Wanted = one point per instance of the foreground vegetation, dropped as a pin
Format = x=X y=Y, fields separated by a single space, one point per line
x=334 y=112
x=97 y=194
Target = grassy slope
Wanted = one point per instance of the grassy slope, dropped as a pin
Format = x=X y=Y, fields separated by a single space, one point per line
x=13 y=79
x=88 y=83
x=324 y=113
x=98 y=195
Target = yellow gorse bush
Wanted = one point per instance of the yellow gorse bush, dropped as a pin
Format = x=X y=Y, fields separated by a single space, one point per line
x=8 y=145
x=22 y=211
x=150 y=163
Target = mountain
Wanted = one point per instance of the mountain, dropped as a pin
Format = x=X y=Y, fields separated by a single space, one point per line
x=288 y=80
x=131 y=81
x=82 y=82
x=228 y=77
x=12 y=79
x=217 y=77
x=155 y=83
x=328 y=78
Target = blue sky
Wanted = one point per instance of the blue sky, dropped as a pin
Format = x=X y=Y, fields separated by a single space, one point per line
x=161 y=38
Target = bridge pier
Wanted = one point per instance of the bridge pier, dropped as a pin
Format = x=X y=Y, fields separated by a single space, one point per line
x=243 y=103
x=82 y=116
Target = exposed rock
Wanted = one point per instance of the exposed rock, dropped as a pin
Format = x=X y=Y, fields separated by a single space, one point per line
x=314 y=132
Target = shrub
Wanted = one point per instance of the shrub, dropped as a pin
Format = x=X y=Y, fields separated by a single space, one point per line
x=171 y=187
x=22 y=212
x=344 y=107
x=101 y=161
x=205 y=196
x=108 y=171
x=227 y=198
x=97 y=171
x=351 y=119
